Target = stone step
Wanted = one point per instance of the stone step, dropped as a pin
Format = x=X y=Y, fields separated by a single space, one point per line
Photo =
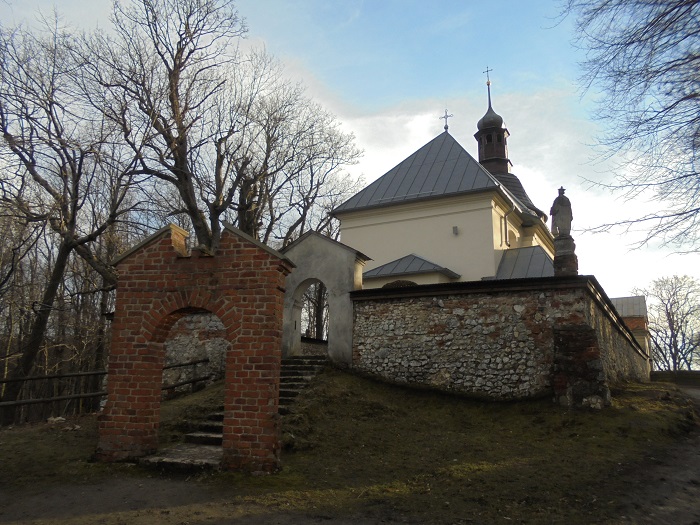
x=286 y=401
x=305 y=359
x=300 y=370
x=216 y=416
x=208 y=425
x=293 y=362
x=293 y=386
x=297 y=378
x=186 y=457
x=204 y=438
x=289 y=392
x=202 y=448
x=300 y=378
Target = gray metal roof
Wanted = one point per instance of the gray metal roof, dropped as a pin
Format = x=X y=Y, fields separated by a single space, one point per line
x=514 y=185
x=521 y=263
x=635 y=306
x=410 y=264
x=440 y=168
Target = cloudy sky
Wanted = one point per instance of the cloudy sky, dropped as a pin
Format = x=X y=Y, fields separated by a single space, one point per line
x=389 y=68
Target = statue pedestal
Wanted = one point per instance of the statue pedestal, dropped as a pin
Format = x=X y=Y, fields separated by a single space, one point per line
x=565 y=260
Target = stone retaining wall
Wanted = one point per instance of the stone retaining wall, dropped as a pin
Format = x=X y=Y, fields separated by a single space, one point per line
x=195 y=337
x=497 y=339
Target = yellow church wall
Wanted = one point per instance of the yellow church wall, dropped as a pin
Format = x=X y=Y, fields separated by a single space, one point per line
x=538 y=236
x=519 y=236
x=427 y=229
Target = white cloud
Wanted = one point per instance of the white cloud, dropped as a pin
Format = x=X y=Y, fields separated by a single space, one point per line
x=78 y=13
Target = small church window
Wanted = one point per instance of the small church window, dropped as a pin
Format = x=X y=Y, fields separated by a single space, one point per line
x=489 y=138
x=499 y=137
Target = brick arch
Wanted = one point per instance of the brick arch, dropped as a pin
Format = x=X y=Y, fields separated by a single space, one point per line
x=157 y=323
x=159 y=282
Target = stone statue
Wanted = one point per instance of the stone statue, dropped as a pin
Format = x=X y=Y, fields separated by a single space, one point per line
x=561 y=215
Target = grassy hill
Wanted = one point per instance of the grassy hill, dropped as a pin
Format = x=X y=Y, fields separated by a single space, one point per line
x=365 y=450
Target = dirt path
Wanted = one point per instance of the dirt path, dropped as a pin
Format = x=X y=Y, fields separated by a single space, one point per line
x=669 y=491
x=665 y=491
x=151 y=501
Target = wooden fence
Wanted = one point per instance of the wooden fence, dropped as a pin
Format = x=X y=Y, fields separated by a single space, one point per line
x=75 y=393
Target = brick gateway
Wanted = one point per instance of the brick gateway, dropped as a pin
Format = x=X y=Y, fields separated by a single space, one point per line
x=159 y=283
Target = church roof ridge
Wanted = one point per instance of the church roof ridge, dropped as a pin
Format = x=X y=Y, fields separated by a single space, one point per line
x=440 y=168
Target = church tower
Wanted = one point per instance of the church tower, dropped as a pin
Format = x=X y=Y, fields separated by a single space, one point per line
x=492 y=137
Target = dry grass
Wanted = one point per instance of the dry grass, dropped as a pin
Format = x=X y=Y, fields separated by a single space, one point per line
x=365 y=450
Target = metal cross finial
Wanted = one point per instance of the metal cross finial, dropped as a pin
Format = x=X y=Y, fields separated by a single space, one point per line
x=446 y=116
x=488 y=82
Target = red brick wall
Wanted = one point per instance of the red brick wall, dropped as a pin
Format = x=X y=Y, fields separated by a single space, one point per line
x=243 y=284
x=636 y=323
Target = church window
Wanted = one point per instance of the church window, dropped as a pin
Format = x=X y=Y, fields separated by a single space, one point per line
x=489 y=138
x=499 y=137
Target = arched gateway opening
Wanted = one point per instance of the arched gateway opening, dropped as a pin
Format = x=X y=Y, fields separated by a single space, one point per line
x=311 y=317
x=321 y=259
x=159 y=283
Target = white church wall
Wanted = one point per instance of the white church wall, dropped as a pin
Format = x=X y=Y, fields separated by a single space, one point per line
x=456 y=233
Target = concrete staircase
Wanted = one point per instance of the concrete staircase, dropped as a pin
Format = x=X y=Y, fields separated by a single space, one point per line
x=296 y=372
x=202 y=446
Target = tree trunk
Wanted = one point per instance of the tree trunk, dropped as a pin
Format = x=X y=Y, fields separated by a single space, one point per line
x=98 y=358
x=35 y=338
x=320 y=310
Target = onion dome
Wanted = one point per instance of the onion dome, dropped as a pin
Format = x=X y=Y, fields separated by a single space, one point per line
x=490 y=120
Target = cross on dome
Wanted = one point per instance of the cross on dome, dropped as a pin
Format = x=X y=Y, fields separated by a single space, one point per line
x=488 y=82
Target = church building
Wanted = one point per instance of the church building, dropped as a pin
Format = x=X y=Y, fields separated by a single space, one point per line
x=441 y=216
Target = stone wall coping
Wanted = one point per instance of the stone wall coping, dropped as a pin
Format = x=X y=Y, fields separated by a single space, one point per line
x=312 y=233
x=584 y=282
x=170 y=228
x=148 y=240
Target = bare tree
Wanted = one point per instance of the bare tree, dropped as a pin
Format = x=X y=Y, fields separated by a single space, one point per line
x=674 y=322
x=62 y=168
x=18 y=240
x=224 y=129
x=644 y=56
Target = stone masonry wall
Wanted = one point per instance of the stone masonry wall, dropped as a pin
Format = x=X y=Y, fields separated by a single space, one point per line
x=474 y=344
x=495 y=340
x=192 y=338
x=621 y=361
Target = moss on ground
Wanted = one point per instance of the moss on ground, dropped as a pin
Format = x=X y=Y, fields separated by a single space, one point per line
x=367 y=450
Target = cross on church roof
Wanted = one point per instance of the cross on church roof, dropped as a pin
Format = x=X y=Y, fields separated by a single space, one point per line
x=488 y=82
x=446 y=116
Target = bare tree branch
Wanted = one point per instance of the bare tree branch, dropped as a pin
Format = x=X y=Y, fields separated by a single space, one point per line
x=644 y=57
